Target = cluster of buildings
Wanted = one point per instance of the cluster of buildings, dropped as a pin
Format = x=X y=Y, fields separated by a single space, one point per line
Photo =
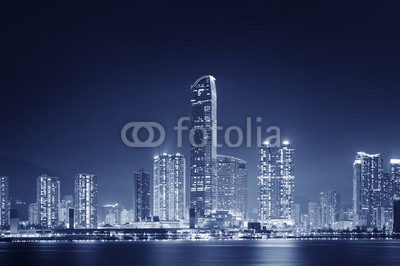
x=375 y=191
x=49 y=211
x=216 y=191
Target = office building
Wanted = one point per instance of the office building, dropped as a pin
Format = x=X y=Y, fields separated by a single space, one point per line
x=232 y=185
x=141 y=196
x=396 y=214
x=203 y=146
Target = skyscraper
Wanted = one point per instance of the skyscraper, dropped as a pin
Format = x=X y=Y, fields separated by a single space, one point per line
x=86 y=201
x=169 y=193
x=4 y=202
x=232 y=185
x=367 y=185
x=387 y=190
x=296 y=214
x=203 y=146
x=276 y=182
x=330 y=208
x=48 y=200
x=63 y=213
x=396 y=214
x=395 y=175
x=314 y=215
x=33 y=214
x=142 y=195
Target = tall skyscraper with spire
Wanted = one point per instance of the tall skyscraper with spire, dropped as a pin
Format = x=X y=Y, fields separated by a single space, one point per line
x=203 y=146
x=276 y=183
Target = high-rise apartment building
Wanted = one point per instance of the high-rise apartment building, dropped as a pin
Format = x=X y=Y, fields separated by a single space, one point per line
x=367 y=188
x=48 y=200
x=169 y=182
x=330 y=208
x=276 y=182
x=85 y=201
x=4 y=202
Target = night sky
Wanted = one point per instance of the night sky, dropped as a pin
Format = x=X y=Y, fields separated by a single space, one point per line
x=72 y=75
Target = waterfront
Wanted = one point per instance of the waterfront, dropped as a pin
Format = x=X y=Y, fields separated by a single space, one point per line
x=216 y=252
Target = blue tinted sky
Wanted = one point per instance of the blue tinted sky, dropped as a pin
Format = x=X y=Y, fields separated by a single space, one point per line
x=73 y=74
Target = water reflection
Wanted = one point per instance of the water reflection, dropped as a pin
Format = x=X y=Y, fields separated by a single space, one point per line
x=251 y=252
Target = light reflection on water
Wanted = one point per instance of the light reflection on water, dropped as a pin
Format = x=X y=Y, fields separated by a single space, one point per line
x=248 y=252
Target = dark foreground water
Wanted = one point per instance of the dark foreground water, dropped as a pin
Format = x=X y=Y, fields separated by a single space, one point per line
x=249 y=252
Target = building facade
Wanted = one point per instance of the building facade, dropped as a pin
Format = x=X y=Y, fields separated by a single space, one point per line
x=396 y=215
x=232 y=185
x=330 y=208
x=85 y=201
x=169 y=187
x=276 y=182
x=48 y=200
x=66 y=204
x=314 y=215
x=142 y=195
x=33 y=214
x=203 y=146
x=4 y=202
x=367 y=188
x=394 y=173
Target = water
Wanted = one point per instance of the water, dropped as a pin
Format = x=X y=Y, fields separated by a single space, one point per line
x=247 y=252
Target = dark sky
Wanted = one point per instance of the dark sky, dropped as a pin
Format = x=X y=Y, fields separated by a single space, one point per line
x=325 y=72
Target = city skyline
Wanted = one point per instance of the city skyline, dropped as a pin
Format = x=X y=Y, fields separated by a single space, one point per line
x=319 y=78
x=212 y=177
x=204 y=132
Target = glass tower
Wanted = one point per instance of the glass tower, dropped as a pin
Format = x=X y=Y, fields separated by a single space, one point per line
x=203 y=146
x=142 y=195
x=85 y=201
x=276 y=183
x=232 y=185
